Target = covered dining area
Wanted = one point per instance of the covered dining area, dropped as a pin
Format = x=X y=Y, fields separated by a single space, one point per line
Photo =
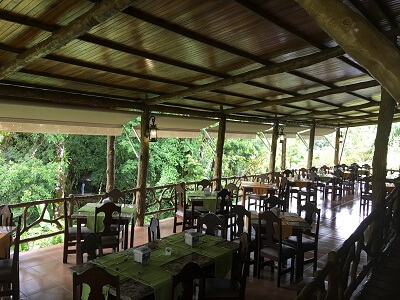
x=220 y=70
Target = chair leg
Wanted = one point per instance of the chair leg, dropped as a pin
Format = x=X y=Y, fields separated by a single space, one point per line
x=279 y=272
x=292 y=269
x=65 y=252
x=15 y=287
x=174 y=229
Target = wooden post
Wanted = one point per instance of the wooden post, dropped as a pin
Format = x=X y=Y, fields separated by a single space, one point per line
x=143 y=167
x=219 y=154
x=379 y=161
x=337 y=145
x=283 y=158
x=110 y=163
x=311 y=147
x=273 y=147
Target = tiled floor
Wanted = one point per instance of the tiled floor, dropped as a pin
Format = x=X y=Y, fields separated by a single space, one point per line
x=44 y=276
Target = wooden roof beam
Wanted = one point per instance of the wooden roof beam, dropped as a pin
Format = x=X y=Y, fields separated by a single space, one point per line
x=97 y=14
x=337 y=90
x=360 y=40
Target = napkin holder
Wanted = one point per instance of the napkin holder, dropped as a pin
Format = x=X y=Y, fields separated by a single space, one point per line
x=191 y=238
x=142 y=254
x=207 y=191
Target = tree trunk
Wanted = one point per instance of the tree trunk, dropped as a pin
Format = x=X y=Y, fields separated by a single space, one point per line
x=337 y=146
x=379 y=162
x=143 y=168
x=311 y=147
x=283 y=162
x=219 y=154
x=274 y=141
x=110 y=163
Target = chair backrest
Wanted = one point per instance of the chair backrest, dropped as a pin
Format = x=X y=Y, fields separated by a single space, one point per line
x=96 y=278
x=303 y=172
x=243 y=264
x=234 y=190
x=186 y=277
x=325 y=169
x=180 y=196
x=116 y=196
x=224 y=202
x=274 y=201
x=287 y=173
x=312 y=216
x=108 y=209
x=283 y=192
x=6 y=217
x=212 y=224
x=89 y=245
x=266 y=230
x=365 y=185
x=238 y=213
x=153 y=231
x=338 y=172
x=313 y=170
x=15 y=259
x=205 y=183
x=344 y=167
x=262 y=178
x=366 y=166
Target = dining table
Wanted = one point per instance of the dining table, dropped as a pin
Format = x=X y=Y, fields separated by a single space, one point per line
x=256 y=188
x=86 y=215
x=208 y=200
x=6 y=239
x=153 y=279
x=292 y=225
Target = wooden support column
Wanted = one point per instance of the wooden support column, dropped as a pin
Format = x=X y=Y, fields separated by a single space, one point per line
x=337 y=145
x=219 y=154
x=273 y=147
x=311 y=147
x=143 y=168
x=360 y=39
x=110 y=163
x=283 y=158
x=379 y=161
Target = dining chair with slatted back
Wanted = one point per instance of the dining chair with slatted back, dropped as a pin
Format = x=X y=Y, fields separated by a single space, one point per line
x=274 y=202
x=235 y=287
x=224 y=203
x=271 y=249
x=239 y=225
x=312 y=215
x=70 y=231
x=365 y=192
x=182 y=212
x=110 y=235
x=303 y=172
x=6 y=216
x=205 y=183
x=115 y=196
x=153 y=231
x=287 y=173
x=325 y=169
x=186 y=278
x=9 y=275
x=96 y=278
x=90 y=245
x=234 y=190
x=210 y=224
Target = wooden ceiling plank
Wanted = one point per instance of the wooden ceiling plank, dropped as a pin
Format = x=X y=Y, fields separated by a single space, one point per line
x=360 y=7
x=341 y=89
x=386 y=13
x=360 y=40
x=61 y=37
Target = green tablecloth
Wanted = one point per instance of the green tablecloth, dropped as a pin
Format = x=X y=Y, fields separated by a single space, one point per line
x=90 y=209
x=155 y=273
x=209 y=201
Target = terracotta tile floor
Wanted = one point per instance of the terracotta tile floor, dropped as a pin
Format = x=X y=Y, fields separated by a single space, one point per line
x=44 y=276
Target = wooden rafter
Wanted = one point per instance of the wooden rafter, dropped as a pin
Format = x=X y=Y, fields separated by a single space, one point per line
x=96 y=15
x=360 y=40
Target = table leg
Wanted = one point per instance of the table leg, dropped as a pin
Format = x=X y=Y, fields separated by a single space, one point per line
x=132 y=232
x=78 y=241
x=300 y=256
x=126 y=228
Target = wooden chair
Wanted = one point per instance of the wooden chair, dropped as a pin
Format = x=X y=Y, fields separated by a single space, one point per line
x=262 y=178
x=186 y=279
x=6 y=216
x=365 y=192
x=70 y=231
x=211 y=224
x=205 y=183
x=309 y=238
x=9 y=269
x=325 y=169
x=234 y=190
x=153 y=231
x=90 y=245
x=111 y=235
x=96 y=278
x=182 y=211
x=224 y=203
x=310 y=192
x=274 y=201
x=303 y=173
x=349 y=183
x=269 y=248
x=115 y=196
x=288 y=173
x=235 y=287
x=334 y=187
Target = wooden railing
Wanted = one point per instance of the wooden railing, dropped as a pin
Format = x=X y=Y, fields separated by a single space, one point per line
x=350 y=264
x=159 y=202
